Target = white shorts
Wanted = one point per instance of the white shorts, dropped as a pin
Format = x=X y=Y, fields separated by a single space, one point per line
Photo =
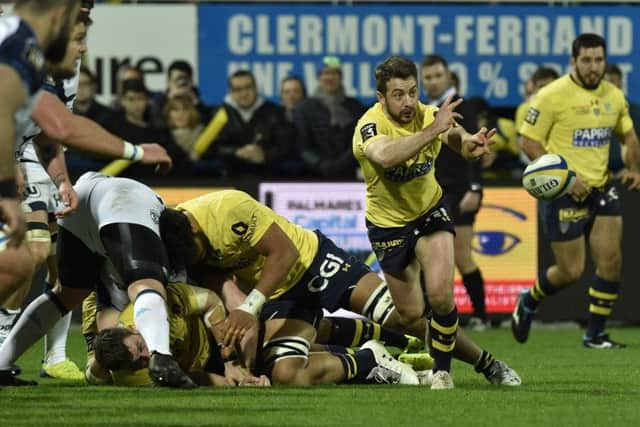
x=40 y=193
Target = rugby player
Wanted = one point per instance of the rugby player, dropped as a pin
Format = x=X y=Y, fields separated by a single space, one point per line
x=411 y=231
x=575 y=116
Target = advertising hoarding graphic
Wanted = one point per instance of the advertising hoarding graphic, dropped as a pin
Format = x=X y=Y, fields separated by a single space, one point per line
x=504 y=245
x=494 y=50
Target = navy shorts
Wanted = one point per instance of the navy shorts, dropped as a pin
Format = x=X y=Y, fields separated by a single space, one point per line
x=329 y=280
x=395 y=246
x=564 y=219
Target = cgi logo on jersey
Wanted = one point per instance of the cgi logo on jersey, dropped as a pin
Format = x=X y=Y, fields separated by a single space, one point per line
x=592 y=137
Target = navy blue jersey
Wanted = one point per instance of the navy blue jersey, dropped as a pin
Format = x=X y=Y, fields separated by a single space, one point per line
x=19 y=50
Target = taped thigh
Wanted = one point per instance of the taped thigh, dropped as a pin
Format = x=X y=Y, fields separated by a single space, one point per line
x=281 y=348
x=379 y=306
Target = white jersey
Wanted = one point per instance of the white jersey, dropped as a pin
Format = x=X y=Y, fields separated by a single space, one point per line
x=26 y=155
x=19 y=50
x=104 y=200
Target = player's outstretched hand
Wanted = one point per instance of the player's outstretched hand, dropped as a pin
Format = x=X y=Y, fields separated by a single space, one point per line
x=69 y=199
x=445 y=117
x=477 y=145
x=155 y=154
x=631 y=179
x=15 y=225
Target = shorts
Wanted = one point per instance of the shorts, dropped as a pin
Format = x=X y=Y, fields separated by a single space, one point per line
x=564 y=219
x=395 y=246
x=329 y=280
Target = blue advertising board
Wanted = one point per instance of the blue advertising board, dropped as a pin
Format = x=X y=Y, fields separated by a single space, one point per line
x=493 y=49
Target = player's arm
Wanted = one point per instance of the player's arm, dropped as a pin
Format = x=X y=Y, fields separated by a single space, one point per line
x=12 y=95
x=51 y=156
x=631 y=158
x=59 y=123
x=532 y=148
x=469 y=146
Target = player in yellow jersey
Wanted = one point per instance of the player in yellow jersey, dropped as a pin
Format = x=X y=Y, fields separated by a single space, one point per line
x=575 y=116
x=396 y=143
x=194 y=315
x=540 y=78
x=298 y=270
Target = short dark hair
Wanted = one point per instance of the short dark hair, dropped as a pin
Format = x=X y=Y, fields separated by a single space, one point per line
x=587 y=40
x=394 y=67
x=134 y=85
x=430 y=60
x=110 y=350
x=175 y=232
x=613 y=69
x=295 y=79
x=241 y=73
x=181 y=65
x=544 y=73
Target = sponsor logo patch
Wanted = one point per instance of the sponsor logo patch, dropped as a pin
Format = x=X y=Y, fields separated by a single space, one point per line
x=592 y=137
x=532 y=116
x=368 y=131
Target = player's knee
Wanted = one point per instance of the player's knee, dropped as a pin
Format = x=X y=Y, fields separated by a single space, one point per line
x=290 y=372
x=610 y=265
x=571 y=272
x=408 y=314
x=40 y=251
x=286 y=357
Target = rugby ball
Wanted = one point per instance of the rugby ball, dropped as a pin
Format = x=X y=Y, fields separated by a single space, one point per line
x=548 y=177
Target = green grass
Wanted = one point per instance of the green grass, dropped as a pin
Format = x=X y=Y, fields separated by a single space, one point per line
x=563 y=385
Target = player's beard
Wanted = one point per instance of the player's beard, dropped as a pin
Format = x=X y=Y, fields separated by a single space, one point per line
x=587 y=85
x=57 y=49
x=404 y=116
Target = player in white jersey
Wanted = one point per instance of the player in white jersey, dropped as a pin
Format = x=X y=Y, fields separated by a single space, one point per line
x=43 y=200
x=36 y=25
x=115 y=225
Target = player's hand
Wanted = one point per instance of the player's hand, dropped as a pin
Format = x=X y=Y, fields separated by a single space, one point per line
x=579 y=190
x=155 y=154
x=15 y=225
x=631 y=179
x=251 y=381
x=477 y=145
x=69 y=199
x=445 y=117
x=238 y=323
x=470 y=202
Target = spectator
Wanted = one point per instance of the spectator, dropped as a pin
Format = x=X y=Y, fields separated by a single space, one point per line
x=132 y=125
x=180 y=83
x=292 y=92
x=325 y=123
x=256 y=133
x=85 y=103
x=183 y=119
x=613 y=74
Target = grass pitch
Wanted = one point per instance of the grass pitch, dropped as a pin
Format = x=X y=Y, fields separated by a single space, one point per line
x=563 y=385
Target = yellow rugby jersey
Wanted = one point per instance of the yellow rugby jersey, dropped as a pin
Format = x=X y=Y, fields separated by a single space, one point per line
x=521 y=112
x=400 y=194
x=188 y=335
x=578 y=124
x=234 y=223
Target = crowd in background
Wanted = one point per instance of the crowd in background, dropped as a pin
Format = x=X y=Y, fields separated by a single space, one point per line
x=304 y=136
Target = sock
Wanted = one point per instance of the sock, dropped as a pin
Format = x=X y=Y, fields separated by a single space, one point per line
x=355 y=332
x=150 y=317
x=55 y=342
x=8 y=318
x=357 y=365
x=542 y=289
x=602 y=296
x=34 y=323
x=484 y=363
x=474 y=284
x=443 y=338
x=336 y=349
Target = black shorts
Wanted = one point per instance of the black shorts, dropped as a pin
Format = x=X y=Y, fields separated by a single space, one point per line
x=453 y=199
x=135 y=251
x=329 y=280
x=289 y=309
x=564 y=219
x=395 y=246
